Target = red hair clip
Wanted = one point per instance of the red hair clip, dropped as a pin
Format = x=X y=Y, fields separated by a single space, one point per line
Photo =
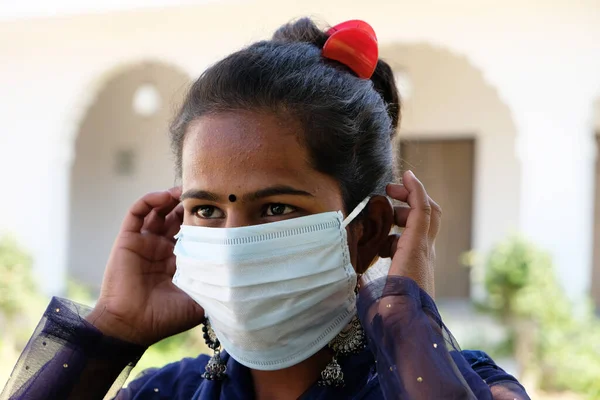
x=354 y=44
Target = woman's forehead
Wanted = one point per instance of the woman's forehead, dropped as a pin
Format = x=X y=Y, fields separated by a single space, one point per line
x=246 y=151
x=233 y=140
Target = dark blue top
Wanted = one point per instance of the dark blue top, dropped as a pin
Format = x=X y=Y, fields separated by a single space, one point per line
x=410 y=355
x=180 y=380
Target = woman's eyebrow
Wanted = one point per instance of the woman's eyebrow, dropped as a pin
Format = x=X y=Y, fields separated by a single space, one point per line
x=200 y=195
x=276 y=190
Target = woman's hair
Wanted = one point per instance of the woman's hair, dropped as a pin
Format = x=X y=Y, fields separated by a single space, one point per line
x=347 y=122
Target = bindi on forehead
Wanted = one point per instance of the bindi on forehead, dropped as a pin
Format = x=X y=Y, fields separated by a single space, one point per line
x=232 y=198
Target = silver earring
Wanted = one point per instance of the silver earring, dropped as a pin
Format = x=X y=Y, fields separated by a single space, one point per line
x=332 y=375
x=216 y=368
x=350 y=340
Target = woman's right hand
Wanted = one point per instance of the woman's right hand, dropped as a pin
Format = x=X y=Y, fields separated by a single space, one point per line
x=138 y=302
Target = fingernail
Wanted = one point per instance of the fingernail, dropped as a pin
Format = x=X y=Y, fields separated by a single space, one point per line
x=410 y=172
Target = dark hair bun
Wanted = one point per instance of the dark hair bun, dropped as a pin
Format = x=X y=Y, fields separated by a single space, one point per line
x=305 y=30
x=385 y=83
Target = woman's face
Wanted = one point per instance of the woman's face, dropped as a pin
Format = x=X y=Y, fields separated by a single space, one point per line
x=244 y=168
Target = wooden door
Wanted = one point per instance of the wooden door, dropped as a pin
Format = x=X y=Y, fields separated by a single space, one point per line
x=446 y=169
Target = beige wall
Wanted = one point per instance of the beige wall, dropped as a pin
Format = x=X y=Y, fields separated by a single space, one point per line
x=100 y=195
x=597 y=116
x=449 y=98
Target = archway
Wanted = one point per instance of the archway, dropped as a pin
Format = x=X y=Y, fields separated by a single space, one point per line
x=459 y=137
x=121 y=152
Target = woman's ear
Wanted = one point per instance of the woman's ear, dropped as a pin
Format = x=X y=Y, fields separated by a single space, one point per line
x=377 y=221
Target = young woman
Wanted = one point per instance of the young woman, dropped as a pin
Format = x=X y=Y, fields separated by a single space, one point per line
x=285 y=154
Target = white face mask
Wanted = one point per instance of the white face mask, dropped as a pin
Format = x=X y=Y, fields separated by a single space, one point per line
x=275 y=293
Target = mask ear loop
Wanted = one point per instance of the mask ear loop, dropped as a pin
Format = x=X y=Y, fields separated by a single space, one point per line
x=361 y=206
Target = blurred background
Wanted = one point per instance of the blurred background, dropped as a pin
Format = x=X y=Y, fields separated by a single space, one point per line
x=501 y=120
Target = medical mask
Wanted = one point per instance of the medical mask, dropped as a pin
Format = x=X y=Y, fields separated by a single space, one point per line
x=275 y=293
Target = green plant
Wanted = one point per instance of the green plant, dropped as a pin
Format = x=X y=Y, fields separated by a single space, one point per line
x=559 y=345
x=16 y=283
x=20 y=303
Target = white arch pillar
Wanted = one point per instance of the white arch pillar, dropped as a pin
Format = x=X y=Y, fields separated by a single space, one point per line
x=557 y=155
x=51 y=236
x=35 y=160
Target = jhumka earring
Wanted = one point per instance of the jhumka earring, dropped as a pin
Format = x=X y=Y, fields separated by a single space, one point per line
x=350 y=340
x=216 y=368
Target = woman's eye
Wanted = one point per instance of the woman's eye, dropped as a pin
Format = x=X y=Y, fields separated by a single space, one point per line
x=207 y=212
x=279 y=209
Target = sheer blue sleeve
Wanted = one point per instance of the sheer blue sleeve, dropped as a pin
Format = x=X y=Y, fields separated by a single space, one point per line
x=417 y=357
x=68 y=358
x=503 y=385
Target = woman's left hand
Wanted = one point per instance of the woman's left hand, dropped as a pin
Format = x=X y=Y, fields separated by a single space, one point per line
x=413 y=252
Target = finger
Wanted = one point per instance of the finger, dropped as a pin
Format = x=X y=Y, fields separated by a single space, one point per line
x=173 y=222
x=169 y=206
x=176 y=191
x=389 y=246
x=155 y=222
x=397 y=192
x=435 y=221
x=418 y=220
x=135 y=217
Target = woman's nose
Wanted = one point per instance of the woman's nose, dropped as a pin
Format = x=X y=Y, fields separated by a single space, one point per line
x=237 y=219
